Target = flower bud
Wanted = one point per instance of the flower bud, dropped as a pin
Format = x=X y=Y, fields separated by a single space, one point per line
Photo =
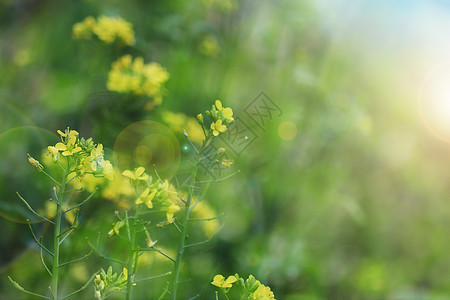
x=200 y=118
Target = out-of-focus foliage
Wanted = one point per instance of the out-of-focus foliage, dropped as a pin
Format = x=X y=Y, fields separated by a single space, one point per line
x=342 y=192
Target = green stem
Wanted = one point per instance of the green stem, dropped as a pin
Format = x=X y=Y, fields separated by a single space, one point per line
x=56 y=236
x=132 y=256
x=182 y=240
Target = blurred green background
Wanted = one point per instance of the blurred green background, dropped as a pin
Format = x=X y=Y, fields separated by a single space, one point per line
x=352 y=204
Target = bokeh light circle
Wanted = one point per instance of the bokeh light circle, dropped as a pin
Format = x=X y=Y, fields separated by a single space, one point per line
x=434 y=102
x=287 y=130
x=149 y=144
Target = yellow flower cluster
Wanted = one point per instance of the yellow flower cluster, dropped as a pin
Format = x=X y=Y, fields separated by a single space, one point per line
x=85 y=157
x=179 y=122
x=251 y=289
x=135 y=77
x=263 y=292
x=161 y=193
x=106 y=283
x=220 y=116
x=107 y=29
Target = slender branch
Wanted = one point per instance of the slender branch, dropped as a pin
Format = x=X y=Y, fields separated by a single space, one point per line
x=77 y=259
x=43 y=261
x=208 y=219
x=17 y=286
x=205 y=241
x=53 y=179
x=83 y=287
x=165 y=291
x=220 y=179
x=153 y=277
x=32 y=210
x=176 y=226
x=192 y=144
x=153 y=248
x=184 y=201
x=78 y=205
x=36 y=240
x=104 y=257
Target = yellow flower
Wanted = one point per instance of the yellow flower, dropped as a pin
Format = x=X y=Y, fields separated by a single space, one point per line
x=200 y=118
x=217 y=127
x=173 y=209
x=227 y=163
x=220 y=281
x=209 y=46
x=107 y=29
x=263 y=293
x=135 y=77
x=146 y=197
x=54 y=152
x=68 y=149
x=226 y=111
x=138 y=174
x=116 y=228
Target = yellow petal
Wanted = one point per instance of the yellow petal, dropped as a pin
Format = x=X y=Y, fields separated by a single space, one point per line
x=231 y=279
x=218 y=280
x=219 y=105
x=129 y=174
x=139 y=171
x=222 y=128
x=60 y=146
x=61 y=133
x=215 y=133
x=77 y=149
x=67 y=153
x=227 y=113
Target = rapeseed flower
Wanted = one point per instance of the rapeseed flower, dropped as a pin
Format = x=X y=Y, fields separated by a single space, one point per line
x=138 y=174
x=221 y=282
x=147 y=197
x=218 y=127
x=107 y=29
x=135 y=77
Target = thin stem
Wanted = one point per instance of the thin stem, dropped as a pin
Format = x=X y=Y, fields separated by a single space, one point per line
x=83 y=287
x=32 y=210
x=36 y=240
x=83 y=202
x=56 y=235
x=43 y=261
x=17 y=286
x=77 y=259
x=53 y=179
x=208 y=219
x=132 y=255
x=104 y=257
x=153 y=277
x=182 y=240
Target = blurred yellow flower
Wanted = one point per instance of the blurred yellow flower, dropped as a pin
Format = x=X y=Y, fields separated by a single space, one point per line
x=138 y=174
x=209 y=46
x=135 y=77
x=107 y=29
x=171 y=211
x=146 y=197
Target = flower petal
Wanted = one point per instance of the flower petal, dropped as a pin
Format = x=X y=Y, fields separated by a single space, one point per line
x=60 y=146
x=219 y=105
